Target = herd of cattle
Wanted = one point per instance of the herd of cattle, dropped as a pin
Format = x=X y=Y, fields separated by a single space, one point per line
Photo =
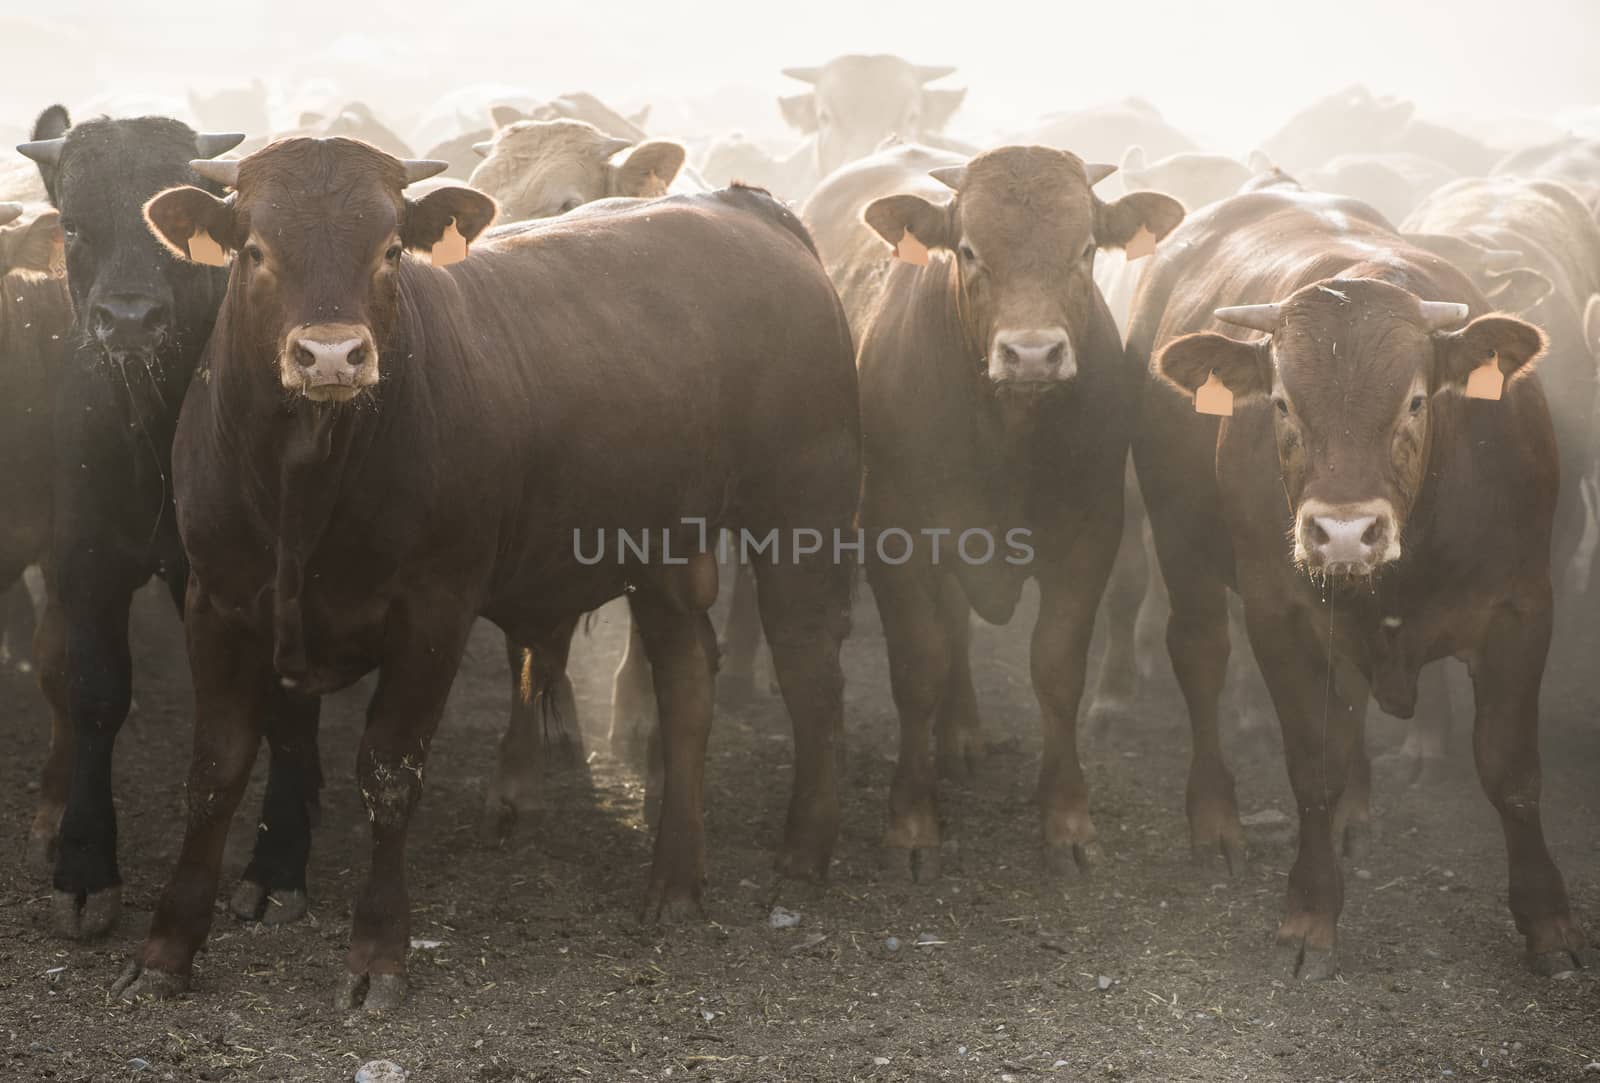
x=344 y=407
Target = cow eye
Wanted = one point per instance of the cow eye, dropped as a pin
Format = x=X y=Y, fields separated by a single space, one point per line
x=967 y=254
x=1282 y=405
x=69 y=229
x=253 y=253
x=393 y=254
x=571 y=205
x=1417 y=402
x=1088 y=251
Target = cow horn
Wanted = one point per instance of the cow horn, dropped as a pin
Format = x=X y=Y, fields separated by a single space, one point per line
x=482 y=149
x=951 y=176
x=1440 y=315
x=804 y=75
x=211 y=144
x=1256 y=317
x=422 y=168
x=225 y=171
x=43 y=151
x=10 y=212
x=927 y=73
x=1098 y=171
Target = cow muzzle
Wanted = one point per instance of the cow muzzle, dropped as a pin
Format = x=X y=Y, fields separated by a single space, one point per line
x=127 y=324
x=1346 y=539
x=330 y=362
x=1035 y=360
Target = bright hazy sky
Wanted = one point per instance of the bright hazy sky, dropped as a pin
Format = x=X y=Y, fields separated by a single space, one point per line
x=1227 y=71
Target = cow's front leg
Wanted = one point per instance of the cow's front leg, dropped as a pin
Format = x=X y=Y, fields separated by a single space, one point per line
x=1320 y=714
x=96 y=592
x=273 y=887
x=233 y=681
x=1505 y=744
x=1070 y=587
x=50 y=660
x=421 y=654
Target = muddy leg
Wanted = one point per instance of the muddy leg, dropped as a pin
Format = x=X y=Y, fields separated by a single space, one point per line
x=682 y=650
x=919 y=674
x=232 y=672
x=420 y=662
x=50 y=659
x=805 y=610
x=1321 y=726
x=1069 y=593
x=1505 y=744
x=959 y=736
x=273 y=887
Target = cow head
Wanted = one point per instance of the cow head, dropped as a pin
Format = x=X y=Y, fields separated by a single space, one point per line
x=1192 y=179
x=1351 y=367
x=319 y=227
x=537 y=169
x=856 y=101
x=130 y=297
x=29 y=243
x=1023 y=228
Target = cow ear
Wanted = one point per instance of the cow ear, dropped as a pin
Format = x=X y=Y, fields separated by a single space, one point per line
x=1516 y=290
x=193 y=223
x=930 y=224
x=34 y=246
x=454 y=214
x=649 y=168
x=1136 y=222
x=1244 y=368
x=506 y=115
x=800 y=111
x=1514 y=345
x=939 y=105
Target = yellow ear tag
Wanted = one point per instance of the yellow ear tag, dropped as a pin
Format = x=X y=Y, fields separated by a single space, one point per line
x=1486 y=381
x=910 y=250
x=1213 y=397
x=202 y=249
x=1142 y=244
x=451 y=247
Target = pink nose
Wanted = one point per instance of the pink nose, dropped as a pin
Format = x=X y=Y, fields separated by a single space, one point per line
x=1345 y=544
x=1032 y=357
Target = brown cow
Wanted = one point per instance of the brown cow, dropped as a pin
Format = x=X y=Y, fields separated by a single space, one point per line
x=35 y=324
x=451 y=441
x=995 y=414
x=1372 y=518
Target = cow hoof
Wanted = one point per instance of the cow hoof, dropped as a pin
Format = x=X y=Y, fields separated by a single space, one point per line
x=914 y=864
x=803 y=863
x=77 y=918
x=285 y=907
x=671 y=908
x=1308 y=963
x=1231 y=851
x=1076 y=858
x=374 y=993
x=137 y=983
x=1552 y=964
x=249 y=900
x=503 y=819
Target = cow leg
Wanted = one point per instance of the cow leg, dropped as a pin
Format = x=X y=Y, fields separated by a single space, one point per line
x=233 y=686
x=1420 y=760
x=1069 y=592
x=1352 y=819
x=919 y=674
x=741 y=641
x=633 y=737
x=1320 y=716
x=544 y=712
x=1150 y=627
x=96 y=593
x=50 y=660
x=1117 y=683
x=682 y=649
x=273 y=887
x=959 y=736
x=805 y=611
x=1197 y=642
x=1505 y=744
x=1244 y=695
x=420 y=662
x=17 y=616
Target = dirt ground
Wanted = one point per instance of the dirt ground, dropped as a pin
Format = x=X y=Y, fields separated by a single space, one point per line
x=529 y=963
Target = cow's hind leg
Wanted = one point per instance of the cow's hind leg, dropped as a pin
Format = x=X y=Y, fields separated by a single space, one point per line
x=634 y=738
x=1506 y=747
x=273 y=887
x=1117 y=683
x=805 y=611
x=741 y=641
x=543 y=727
